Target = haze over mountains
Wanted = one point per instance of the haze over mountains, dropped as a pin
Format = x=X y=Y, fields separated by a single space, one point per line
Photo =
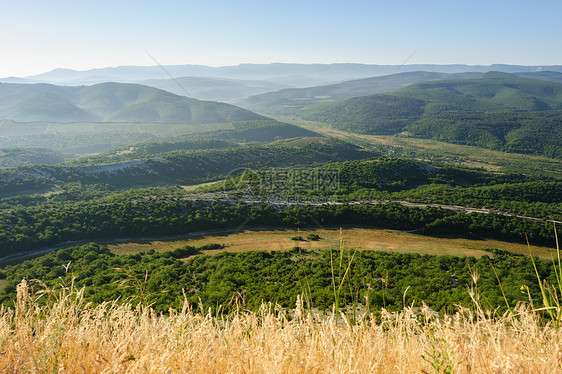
x=296 y=75
x=110 y=102
x=291 y=100
x=234 y=83
x=215 y=89
x=518 y=112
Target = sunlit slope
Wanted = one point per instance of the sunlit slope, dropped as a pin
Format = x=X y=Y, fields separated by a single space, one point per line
x=111 y=102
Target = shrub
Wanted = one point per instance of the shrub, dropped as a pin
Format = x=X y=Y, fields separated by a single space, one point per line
x=313 y=237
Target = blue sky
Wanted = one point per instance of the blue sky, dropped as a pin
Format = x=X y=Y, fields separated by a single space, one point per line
x=38 y=36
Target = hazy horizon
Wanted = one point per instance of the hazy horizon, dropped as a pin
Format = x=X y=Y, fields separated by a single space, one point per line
x=154 y=65
x=39 y=37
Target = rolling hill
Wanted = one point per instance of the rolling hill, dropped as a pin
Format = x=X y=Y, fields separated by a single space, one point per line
x=179 y=163
x=490 y=92
x=13 y=157
x=494 y=110
x=552 y=76
x=88 y=137
x=110 y=102
x=291 y=101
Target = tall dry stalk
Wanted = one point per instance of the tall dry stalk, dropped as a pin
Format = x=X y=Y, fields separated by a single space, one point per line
x=69 y=336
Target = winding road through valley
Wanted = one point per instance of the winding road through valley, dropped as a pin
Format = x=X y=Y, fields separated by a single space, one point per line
x=214 y=196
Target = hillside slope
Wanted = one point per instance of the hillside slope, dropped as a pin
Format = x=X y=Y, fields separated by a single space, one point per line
x=495 y=110
x=186 y=163
x=291 y=101
x=13 y=157
x=110 y=102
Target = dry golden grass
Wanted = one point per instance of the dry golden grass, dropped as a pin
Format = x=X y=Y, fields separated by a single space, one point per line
x=70 y=337
x=366 y=239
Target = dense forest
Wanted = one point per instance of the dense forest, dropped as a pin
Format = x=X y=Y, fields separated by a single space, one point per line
x=228 y=280
x=180 y=166
x=97 y=210
x=26 y=229
x=495 y=110
x=394 y=179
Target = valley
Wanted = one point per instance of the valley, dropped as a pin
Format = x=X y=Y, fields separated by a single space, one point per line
x=136 y=176
x=280 y=187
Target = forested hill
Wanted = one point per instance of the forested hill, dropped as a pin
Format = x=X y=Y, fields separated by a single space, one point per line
x=291 y=101
x=179 y=166
x=110 y=102
x=493 y=91
x=496 y=110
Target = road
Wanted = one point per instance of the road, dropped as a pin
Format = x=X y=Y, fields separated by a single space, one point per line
x=221 y=196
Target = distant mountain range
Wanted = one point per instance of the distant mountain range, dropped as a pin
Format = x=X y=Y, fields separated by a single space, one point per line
x=519 y=112
x=215 y=89
x=296 y=75
x=110 y=102
x=495 y=110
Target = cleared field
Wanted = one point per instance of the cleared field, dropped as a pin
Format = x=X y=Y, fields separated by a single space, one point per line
x=194 y=187
x=361 y=238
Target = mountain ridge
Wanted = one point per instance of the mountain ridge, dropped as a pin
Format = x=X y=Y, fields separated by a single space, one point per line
x=292 y=100
x=110 y=102
x=496 y=111
x=329 y=72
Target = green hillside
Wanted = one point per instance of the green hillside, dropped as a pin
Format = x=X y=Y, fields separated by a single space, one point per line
x=552 y=76
x=496 y=110
x=89 y=137
x=492 y=91
x=186 y=164
x=258 y=132
x=293 y=100
x=111 y=102
x=13 y=157
x=48 y=107
x=90 y=203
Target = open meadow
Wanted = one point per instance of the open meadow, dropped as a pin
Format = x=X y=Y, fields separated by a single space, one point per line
x=360 y=238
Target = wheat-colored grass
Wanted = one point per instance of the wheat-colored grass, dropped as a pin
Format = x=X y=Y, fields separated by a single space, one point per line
x=70 y=337
x=363 y=238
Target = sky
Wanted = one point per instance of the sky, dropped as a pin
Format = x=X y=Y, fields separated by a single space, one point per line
x=39 y=36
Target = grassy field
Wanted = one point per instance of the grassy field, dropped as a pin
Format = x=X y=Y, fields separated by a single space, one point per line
x=361 y=238
x=195 y=187
x=70 y=336
x=462 y=154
